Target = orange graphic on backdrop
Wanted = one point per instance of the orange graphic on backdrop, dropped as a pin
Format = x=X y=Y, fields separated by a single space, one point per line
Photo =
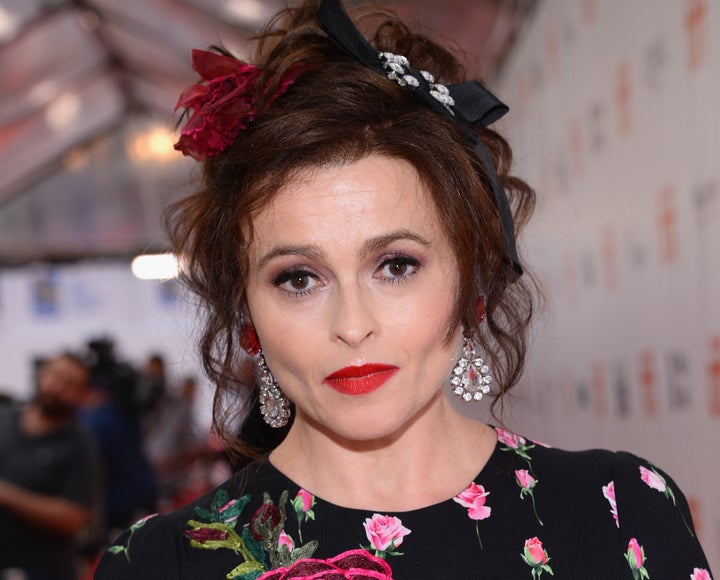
x=609 y=257
x=696 y=33
x=588 y=12
x=552 y=51
x=713 y=372
x=667 y=225
x=525 y=89
x=599 y=387
x=648 y=382
x=623 y=97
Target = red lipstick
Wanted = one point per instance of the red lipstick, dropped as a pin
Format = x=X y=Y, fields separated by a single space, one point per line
x=360 y=380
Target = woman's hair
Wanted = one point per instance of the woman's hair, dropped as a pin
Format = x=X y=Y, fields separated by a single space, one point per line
x=338 y=112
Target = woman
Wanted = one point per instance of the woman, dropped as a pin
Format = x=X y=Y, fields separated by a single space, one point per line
x=354 y=235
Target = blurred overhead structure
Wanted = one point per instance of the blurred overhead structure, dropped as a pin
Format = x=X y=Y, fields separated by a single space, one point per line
x=87 y=89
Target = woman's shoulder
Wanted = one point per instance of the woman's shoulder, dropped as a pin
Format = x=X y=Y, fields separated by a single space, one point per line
x=594 y=463
x=156 y=545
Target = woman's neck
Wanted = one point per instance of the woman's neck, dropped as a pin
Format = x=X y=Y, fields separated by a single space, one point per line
x=428 y=461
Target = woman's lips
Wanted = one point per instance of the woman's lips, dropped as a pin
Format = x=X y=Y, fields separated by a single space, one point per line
x=360 y=380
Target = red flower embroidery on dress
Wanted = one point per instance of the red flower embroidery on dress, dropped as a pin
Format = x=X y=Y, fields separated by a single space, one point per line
x=350 y=565
x=224 y=102
x=266 y=515
x=203 y=535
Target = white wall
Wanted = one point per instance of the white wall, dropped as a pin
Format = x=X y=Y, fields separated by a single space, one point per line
x=47 y=309
x=614 y=119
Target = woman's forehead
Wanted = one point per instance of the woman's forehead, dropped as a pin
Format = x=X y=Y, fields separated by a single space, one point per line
x=374 y=193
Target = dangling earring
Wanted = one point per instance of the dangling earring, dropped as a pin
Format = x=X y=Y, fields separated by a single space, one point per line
x=471 y=376
x=274 y=406
x=249 y=339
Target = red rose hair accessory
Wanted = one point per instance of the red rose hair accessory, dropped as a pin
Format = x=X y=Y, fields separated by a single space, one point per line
x=223 y=103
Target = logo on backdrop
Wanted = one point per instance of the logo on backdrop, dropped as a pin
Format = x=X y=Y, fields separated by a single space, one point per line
x=622 y=391
x=552 y=51
x=588 y=12
x=596 y=127
x=598 y=383
x=667 y=225
x=577 y=147
x=623 y=98
x=696 y=33
x=707 y=202
x=679 y=392
x=713 y=376
x=647 y=378
x=609 y=257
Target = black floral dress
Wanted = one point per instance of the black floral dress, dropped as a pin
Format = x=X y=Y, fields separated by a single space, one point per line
x=532 y=512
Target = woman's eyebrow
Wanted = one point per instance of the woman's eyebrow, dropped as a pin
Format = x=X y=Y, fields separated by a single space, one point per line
x=369 y=247
x=379 y=242
x=309 y=251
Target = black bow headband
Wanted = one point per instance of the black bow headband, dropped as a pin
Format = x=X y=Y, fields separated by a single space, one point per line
x=469 y=103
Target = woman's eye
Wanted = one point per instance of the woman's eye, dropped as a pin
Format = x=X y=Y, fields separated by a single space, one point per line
x=296 y=282
x=398 y=268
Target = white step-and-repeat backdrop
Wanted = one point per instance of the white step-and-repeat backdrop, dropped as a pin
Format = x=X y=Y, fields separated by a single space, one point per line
x=615 y=119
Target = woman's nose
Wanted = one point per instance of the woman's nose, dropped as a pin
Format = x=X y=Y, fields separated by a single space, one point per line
x=353 y=317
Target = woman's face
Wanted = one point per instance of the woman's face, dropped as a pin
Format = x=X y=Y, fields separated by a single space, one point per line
x=351 y=289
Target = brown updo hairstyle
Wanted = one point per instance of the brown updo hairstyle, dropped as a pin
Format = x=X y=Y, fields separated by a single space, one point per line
x=336 y=113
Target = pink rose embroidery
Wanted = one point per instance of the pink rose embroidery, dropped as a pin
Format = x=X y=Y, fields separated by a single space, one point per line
x=657 y=482
x=508 y=438
x=609 y=493
x=524 y=479
x=653 y=479
x=636 y=560
x=307 y=499
x=286 y=541
x=385 y=533
x=535 y=556
x=351 y=565
x=700 y=574
x=473 y=498
x=527 y=482
x=303 y=503
x=512 y=442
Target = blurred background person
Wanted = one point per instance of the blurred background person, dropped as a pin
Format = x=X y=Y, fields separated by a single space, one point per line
x=174 y=442
x=112 y=416
x=48 y=474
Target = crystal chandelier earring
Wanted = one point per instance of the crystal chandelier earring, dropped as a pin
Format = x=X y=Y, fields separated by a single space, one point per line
x=274 y=405
x=471 y=376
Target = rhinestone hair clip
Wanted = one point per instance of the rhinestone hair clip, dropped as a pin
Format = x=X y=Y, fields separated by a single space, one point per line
x=397 y=68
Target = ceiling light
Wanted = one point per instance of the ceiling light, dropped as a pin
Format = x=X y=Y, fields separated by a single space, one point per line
x=152 y=145
x=155 y=267
x=63 y=112
x=247 y=11
x=8 y=24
